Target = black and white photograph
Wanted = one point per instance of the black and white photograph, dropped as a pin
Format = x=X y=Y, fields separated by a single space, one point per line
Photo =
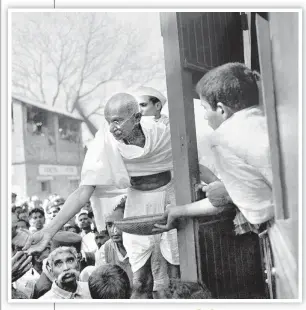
x=154 y=154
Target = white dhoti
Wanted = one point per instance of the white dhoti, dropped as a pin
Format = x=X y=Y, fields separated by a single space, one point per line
x=161 y=247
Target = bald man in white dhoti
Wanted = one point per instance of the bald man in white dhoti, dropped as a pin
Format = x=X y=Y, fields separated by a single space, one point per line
x=133 y=154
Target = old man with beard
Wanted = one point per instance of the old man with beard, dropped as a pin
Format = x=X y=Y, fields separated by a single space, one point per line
x=64 y=266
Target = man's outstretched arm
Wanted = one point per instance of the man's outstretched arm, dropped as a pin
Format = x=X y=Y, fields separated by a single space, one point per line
x=39 y=240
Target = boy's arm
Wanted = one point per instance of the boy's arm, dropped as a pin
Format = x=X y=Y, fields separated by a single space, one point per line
x=39 y=240
x=199 y=208
x=206 y=175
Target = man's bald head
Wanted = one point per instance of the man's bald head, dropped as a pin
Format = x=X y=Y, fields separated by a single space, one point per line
x=122 y=114
x=121 y=102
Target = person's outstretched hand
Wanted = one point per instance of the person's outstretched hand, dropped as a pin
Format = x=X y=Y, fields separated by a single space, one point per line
x=171 y=216
x=21 y=263
x=37 y=242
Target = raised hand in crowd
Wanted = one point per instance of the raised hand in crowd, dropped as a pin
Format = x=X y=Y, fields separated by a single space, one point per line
x=37 y=242
x=21 y=263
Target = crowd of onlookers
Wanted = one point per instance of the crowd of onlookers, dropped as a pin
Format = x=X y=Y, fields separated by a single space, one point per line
x=80 y=261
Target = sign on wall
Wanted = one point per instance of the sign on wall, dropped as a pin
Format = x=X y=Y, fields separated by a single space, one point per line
x=57 y=170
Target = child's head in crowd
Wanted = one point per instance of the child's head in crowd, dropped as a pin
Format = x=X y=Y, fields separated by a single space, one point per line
x=226 y=90
x=109 y=282
x=113 y=231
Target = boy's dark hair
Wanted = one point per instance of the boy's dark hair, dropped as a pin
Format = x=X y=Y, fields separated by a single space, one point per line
x=233 y=84
x=109 y=282
x=37 y=210
x=27 y=223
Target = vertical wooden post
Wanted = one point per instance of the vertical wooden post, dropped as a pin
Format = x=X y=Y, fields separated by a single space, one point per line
x=265 y=59
x=183 y=138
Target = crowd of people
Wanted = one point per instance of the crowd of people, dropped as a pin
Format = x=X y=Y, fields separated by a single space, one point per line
x=61 y=251
x=79 y=261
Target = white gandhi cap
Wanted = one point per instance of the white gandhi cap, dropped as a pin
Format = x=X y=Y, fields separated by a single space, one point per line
x=149 y=91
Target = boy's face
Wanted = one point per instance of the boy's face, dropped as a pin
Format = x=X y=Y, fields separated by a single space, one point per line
x=37 y=220
x=147 y=107
x=214 y=118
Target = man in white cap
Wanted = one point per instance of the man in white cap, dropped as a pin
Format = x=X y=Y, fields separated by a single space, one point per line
x=151 y=102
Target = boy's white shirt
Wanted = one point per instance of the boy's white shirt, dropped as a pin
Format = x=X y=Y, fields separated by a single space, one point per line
x=242 y=158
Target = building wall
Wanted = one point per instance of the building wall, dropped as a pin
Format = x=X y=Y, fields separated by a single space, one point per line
x=18 y=152
x=69 y=153
x=63 y=186
x=59 y=184
x=19 y=179
x=33 y=151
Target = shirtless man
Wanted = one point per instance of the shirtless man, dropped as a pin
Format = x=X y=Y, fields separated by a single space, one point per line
x=133 y=153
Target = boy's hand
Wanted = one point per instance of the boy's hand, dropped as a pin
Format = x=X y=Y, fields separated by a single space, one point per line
x=217 y=194
x=171 y=215
x=21 y=263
